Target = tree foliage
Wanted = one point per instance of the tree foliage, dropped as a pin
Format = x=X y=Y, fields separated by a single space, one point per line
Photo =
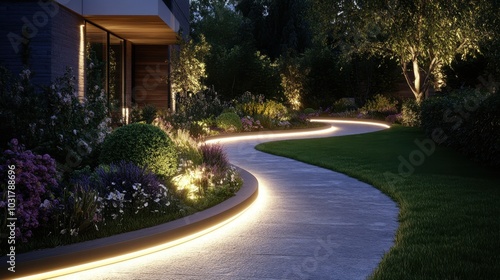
x=188 y=66
x=422 y=35
x=234 y=64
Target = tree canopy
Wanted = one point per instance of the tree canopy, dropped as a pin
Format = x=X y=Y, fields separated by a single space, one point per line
x=420 y=34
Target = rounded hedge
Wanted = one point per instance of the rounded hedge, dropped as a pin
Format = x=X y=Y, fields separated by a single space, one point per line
x=142 y=144
x=229 y=122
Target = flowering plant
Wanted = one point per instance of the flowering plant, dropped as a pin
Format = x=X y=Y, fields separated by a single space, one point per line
x=60 y=122
x=35 y=178
x=250 y=124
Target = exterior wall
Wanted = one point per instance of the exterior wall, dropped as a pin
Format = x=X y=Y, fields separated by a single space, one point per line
x=26 y=39
x=180 y=9
x=45 y=48
x=66 y=45
x=150 y=72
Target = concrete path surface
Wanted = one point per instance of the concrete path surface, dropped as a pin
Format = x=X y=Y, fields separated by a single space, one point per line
x=308 y=223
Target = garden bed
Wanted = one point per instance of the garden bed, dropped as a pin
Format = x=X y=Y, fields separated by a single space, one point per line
x=153 y=238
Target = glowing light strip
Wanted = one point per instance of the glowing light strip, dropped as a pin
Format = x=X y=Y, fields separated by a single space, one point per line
x=124 y=257
x=277 y=135
x=352 y=122
x=81 y=63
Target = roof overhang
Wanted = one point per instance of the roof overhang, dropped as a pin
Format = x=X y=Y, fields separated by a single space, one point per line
x=146 y=22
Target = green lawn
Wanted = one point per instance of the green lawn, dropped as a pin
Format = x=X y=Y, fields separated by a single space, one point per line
x=449 y=220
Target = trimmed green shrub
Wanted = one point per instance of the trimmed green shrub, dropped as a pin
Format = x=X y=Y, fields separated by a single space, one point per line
x=467 y=120
x=380 y=107
x=410 y=113
x=229 y=122
x=144 y=145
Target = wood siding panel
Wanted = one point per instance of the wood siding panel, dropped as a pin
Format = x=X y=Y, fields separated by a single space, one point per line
x=150 y=72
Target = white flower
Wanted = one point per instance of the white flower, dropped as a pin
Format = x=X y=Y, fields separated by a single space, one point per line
x=75 y=131
x=146 y=204
x=86 y=120
x=63 y=231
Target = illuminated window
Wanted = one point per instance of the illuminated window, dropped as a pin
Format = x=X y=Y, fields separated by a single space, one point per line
x=105 y=66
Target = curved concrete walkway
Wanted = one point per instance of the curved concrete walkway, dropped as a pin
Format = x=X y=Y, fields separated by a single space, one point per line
x=308 y=223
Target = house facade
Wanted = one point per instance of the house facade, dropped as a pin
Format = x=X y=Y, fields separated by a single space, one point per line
x=126 y=43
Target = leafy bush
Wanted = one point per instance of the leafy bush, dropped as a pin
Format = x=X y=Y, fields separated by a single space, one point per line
x=410 y=113
x=35 y=179
x=299 y=119
x=275 y=110
x=197 y=106
x=143 y=144
x=147 y=114
x=308 y=111
x=344 y=104
x=467 y=120
x=380 y=107
x=396 y=118
x=481 y=134
x=58 y=122
x=229 y=122
x=250 y=105
x=269 y=113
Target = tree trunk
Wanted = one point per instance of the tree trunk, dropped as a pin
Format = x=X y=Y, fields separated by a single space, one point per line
x=417 y=90
x=414 y=84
